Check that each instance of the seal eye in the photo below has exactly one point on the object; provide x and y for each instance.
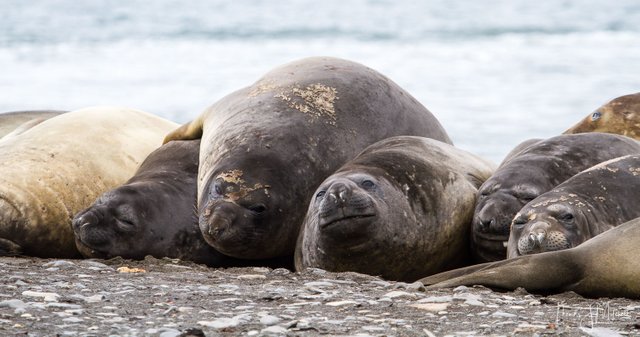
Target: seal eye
(526, 197)
(368, 183)
(568, 217)
(596, 115)
(519, 221)
(258, 208)
(321, 194)
(218, 189)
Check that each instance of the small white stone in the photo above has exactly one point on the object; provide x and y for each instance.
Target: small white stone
(49, 297)
(225, 322)
(269, 320)
(59, 264)
(319, 284)
(73, 320)
(340, 303)
(460, 288)
(274, 330)
(395, 294)
(16, 304)
(261, 270)
(503, 314)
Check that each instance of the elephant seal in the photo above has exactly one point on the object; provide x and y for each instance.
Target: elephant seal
(529, 173)
(53, 170)
(10, 121)
(589, 203)
(153, 213)
(401, 209)
(265, 148)
(621, 116)
(604, 266)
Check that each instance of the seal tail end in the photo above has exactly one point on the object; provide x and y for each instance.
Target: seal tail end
(9, 248)
(189, 131)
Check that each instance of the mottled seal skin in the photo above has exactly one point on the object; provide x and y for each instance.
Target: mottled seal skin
(530, 172)
(589, 203)
(621, 116)
(604, 266)
(401, 209)
(10, 121)
(265, 148)
(53, 170)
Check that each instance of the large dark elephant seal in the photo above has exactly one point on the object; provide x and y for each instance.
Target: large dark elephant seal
(265, 148)
(10, 121)
(605, 266)
(621, 116)
(401, 209)
(529, 173)
(589, 203)
(153, 213)
(53, 170)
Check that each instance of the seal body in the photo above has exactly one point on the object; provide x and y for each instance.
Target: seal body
(587, 204)
(621, 116)
(153, 213)
(401, 209)
(604, 266)
(265, 148)
(531, 172)
(53, 170)
(10, 121)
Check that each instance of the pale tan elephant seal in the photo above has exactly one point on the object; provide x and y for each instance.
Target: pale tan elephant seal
(53, 170)
(621, 116)
(22, 120)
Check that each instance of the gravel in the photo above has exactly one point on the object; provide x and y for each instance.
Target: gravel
(169, 298)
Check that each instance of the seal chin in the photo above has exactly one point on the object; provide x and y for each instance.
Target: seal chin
(88, 251)
(356, 220)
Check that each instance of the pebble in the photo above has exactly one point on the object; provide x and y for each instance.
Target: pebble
(395, 294)
(274, 330)
(59, 264)
(503, 314)
(600, 332)
(433, 307)
(49, 297)
(17, 305)
(269, 320)
(223, 323)
(341, 303)
(252, 277)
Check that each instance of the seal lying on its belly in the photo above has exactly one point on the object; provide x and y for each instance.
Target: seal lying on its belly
(153, 213)
(604, 266)
(589, 203)
(265, 148)
(401, 209)
(530, 172)
(53, 170)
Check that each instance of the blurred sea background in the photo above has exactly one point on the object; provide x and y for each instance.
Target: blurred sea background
(494, 72)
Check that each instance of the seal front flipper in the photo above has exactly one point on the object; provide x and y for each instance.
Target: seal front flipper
(189, 131)
(9, 248)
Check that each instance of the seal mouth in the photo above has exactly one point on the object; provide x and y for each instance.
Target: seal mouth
(89, 251)
(324, 224)
(491, 237)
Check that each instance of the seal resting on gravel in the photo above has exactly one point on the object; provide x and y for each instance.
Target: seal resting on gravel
(604, 266)
(530, 172)
(589, 203)
(10, 121)
(265, 148)
(621, 115)
(53, 170)
(153, 213)
(401, 209)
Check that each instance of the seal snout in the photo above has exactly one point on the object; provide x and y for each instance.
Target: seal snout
(541, 237)
(216, 220)
(344, 200)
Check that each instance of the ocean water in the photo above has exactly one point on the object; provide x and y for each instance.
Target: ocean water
(494, 72)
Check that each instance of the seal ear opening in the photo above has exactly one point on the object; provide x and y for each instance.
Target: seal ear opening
(9, 248)
(189, 131)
